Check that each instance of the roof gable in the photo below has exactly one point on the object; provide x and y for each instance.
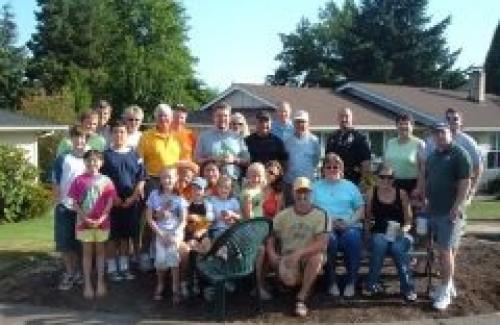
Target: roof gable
(13, 120)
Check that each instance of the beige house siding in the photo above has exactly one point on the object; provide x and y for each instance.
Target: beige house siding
(26, 140)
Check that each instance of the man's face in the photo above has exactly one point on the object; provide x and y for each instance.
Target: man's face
(284, 112)
(405, 127)
(443, 138)
(345, 119)
(263, 126)
(104, 115)
(221, 119)
(90, 123)
(133, 122)
(163, 121)
(302, 200)
(119, 136)
(454, 120)
(301, 126)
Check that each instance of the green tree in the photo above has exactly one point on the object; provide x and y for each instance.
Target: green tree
(492, 64)
(12, 59)
(389, 41)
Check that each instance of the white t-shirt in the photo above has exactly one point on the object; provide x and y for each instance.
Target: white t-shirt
(66, 168)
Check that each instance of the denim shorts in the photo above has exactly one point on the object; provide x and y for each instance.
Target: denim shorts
(64, 229)
(446, 233)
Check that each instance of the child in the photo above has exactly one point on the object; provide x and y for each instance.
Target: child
(253, 190)
(211, 173)
(187, 170)
(93, 195)
(226, 208)
(123, 166)
(166, 214)
(66, 168)
(273, 192)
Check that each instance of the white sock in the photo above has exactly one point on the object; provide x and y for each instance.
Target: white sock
(123, 263)
(111, 265)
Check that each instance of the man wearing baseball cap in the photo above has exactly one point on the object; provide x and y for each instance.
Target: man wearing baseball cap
(301, 231)
(303, 150)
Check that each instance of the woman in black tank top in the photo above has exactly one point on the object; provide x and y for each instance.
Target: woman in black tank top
(387, 204)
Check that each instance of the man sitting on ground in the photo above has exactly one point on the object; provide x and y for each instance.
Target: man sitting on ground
(301, 233)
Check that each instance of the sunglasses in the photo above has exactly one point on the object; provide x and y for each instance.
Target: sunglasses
(273, 173)
(386, 176)
(332, 167)
(236, 123)
(134, 119)
(453, 118)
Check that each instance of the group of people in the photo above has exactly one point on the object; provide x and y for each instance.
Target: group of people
(163, 196)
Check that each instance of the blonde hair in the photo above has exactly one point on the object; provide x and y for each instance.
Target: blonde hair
(133, 110)
(225, 180)
(258, 168)
(166, 169)
(237, 117)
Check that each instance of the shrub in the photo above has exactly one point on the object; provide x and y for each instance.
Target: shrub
(47, 149)
(21, 196)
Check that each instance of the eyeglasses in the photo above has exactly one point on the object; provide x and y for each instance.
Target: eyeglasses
(453, 118)
(237, 123)
(386, 177)
(332, 167)
(134, 119)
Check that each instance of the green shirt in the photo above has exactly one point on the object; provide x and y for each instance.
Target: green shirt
(403, 157)
(255, 195)
(94, 141)
(444, 169)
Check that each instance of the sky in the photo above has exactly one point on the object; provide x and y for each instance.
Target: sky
(237, 41)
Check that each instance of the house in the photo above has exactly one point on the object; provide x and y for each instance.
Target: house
(23, 132)
(374, 107)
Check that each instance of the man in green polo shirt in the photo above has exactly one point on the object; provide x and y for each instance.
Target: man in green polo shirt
(448, 178)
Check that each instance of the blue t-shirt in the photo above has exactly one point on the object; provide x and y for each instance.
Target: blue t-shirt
(125, 169)
(282, 130)
(303, 159)
(340, 199)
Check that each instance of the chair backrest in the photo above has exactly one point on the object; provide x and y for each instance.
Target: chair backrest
(238, 247)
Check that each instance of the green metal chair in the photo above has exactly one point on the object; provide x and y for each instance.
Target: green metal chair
(233, 256)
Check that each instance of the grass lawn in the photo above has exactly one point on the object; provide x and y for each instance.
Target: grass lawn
(484, 210)
(25, 242)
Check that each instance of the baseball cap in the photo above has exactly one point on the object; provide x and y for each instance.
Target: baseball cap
(263, 115)
(301, 115)
(200, 182)
(301, 183)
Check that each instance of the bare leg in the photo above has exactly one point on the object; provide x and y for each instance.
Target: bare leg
(100, 258)
(88, 288)
(160, 284)
(313, 267)
(259, 267)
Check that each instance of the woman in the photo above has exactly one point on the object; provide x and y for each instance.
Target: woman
(132, 116)
(273, 192)
(404, 154)
(211, 173)
(343, 203)
(387, 204)
(239, 125)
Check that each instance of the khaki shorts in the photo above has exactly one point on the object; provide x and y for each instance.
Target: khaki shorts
(92, 235)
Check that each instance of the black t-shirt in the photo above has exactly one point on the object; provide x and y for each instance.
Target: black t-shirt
(353, 148)
(266, 148)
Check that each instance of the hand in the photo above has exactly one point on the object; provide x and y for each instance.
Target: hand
(406, 228)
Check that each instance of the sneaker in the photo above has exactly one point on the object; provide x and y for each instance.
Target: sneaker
(334, 290)
(411, 296)
(78, 278)
(300, 309)
(66, 282)
(349, 290)
(372, 290)
(115, 276)
(443, 300)
(185, 290)
(127, 275)
(453, 291)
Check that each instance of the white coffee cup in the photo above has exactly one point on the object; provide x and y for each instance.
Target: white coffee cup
(393, 228)
(422, 226)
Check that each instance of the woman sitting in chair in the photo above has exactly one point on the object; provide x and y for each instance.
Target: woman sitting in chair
(389, 217)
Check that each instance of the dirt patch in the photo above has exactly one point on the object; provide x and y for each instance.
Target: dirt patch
(477, 282)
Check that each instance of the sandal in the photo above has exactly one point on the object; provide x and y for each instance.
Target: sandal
(300, 308)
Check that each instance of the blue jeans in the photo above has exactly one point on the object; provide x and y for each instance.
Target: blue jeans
(349, 242)
(399, 251)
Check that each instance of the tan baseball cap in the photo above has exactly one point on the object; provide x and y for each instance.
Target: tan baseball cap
(301, 183)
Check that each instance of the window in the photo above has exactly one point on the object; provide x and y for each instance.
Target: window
(493, 156)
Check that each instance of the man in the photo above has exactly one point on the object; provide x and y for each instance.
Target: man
(88, 120)
(282, 126)
(264, 146)
(104, 110)
(186, 136)
(301, 232)
(466, 142)
(351, 146)
(221, 145)
(304, 152)
(447, 180)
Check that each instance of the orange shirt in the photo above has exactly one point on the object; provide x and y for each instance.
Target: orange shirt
(187, 138)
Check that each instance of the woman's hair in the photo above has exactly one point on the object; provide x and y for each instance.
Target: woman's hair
(133, 110)
(225, 180)
(92, 153)
(332, 158)
(164, 170)
(241, 118)
(385, 167)
(258, 168)
(277, 184)
(205, 165)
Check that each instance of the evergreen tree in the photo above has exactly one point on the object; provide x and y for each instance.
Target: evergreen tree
(12, 60)
(492, 64)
